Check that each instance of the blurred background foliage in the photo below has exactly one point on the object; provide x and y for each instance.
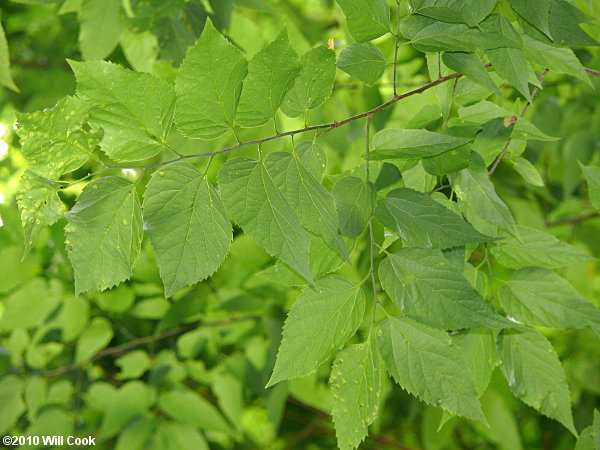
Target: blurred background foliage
(139, 371)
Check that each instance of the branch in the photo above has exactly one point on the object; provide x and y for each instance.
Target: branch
(147, 340)
(527, 106)
(573, 220)
(326, 126)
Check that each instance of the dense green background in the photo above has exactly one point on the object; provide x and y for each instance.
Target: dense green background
(219, 338)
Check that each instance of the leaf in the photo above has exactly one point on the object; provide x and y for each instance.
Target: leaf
(11, 389)
(132, 400)
(534, 373)
(478, 348)
(422, 222)
(481, 203)
(429, 35)
(536, 248)
(314, 83)
(528, 171)
(104, 234)
(448, 162)
(30, 305)
(271, 74)
(254, 203)
(320, 322)
(96, 336)
(366, 19)
(511, 64)
(135, 110)
(187, 225)
(471, 66)
(53, 140)
(311, 202)
(590, 436)
(557, 59)
(538, 296)
(100, 28)
(536, 12)
(189, 408)
(425, 363)
(354, 199)
(363, 61)
(140, 49)
(592, 176)
(313, 157)
(356, 385)
(392, 144)
(5, 76)
(470, 12)
(434, 292)
(209, 84)
(39, 205)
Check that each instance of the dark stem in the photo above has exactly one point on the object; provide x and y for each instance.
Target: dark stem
(119, 349)
(573, 220)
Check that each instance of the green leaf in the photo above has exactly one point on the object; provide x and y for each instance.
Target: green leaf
(363, 61)
(354, 199)
(132, 400)
(470, 12)
(313, 157)
(538, 296)
(492, 139)
(187, 407)
(592, 176)
(471, 66)
(528, 171)
(448, 162)
(366, 19)
(179, 436)
(429, 35)
(254, 203)
(135, 110)
(320, 322)
(422, 222)
(209, 84)
(96, 336)
(536, 248)
(5, 76)
(271, 74)
(187, 225)
(104, 233)
(100, 28)
(535, 375)
(29, 306)
(311, 202)
(428, 288)
(53, 140)
(314, 83)
(356, 385)
(590, 436)
(425, 363)
(136, 434)
(39, 205)
(478, 348)
(13, 406)
(536, 12)
(140, 49)
(393, 144)
(561, 60)
(481, 203)
(512, 65)
(133, 364)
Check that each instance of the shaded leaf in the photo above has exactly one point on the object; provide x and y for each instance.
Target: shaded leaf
(471, 66)
(99, 18)
(354, 199)
(363, 61)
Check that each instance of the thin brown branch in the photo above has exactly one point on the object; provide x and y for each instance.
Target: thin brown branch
(527, 106)
(594, 72)
(120, 349)
(574, 220)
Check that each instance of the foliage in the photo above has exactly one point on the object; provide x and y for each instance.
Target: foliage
(216, 239)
